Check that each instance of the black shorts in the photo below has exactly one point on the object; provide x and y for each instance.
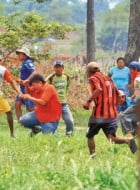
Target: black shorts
(108, 128)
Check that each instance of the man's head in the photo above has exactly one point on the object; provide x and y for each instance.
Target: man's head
(23, 53)
(58, 67)
(134, 69)
(135, 65)
(37, 81)
(122, 97)
(93, 67)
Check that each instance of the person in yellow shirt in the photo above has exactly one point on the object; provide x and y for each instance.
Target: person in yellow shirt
(5, 75)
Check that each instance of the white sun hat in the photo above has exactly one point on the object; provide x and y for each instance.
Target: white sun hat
(24, 50)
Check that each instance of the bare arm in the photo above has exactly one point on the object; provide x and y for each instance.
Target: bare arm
(24, 82)
(15, 87)
(94, 95)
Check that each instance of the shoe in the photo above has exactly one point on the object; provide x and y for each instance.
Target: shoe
(133, 146)
(31, 134)
(92, 156)
(69, 133)
(34, 131)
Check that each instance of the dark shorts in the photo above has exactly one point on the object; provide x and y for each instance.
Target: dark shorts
(27, 103)
(108, 128)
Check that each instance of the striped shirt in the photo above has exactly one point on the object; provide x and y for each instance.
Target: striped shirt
(106, 102)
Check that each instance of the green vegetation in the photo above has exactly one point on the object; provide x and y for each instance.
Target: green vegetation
(68, 12)
(27, 30)
(111, 25)
(50, 163)
(113, 28)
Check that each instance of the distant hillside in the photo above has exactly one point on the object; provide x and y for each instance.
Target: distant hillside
(113, 3)
(69, 12)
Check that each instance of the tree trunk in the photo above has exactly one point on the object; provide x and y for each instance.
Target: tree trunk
(90, 31)
(133, 47)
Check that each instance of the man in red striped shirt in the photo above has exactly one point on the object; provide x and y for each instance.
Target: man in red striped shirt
(104, 115)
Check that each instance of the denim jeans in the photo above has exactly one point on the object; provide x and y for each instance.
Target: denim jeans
(129, 120)
(29, 120)
(67, 117)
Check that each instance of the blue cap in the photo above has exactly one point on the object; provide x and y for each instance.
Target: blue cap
(58, 62)
(134, 65)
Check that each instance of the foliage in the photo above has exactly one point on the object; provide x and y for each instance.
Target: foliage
(69, 12)
(111, 27)
(18, 31)
(112, 35)
(39, 1)
(58, 30)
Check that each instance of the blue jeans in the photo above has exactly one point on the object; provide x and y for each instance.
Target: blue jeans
(129, 120)
(67, 117)
(29, 120)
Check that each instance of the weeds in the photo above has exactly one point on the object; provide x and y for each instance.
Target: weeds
(62, 163)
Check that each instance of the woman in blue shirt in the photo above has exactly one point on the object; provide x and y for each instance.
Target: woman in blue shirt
(120, 74)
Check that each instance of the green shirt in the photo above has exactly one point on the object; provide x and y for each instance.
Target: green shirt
(61, 84)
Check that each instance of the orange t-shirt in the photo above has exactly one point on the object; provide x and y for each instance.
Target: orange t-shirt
(134, 73)
(7, 76)
(51, 111)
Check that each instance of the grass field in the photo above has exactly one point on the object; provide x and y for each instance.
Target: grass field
(62, 163)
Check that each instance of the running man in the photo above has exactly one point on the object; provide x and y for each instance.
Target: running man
(104, 115)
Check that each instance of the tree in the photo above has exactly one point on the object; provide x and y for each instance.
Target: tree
(113, 29)
(90, 31)
(18, 31)
(39, 1)
(133, 46)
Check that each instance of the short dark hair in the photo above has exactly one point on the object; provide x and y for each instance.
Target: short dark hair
(93, 70)
(121, 58)
(58, 63)
(36, 78)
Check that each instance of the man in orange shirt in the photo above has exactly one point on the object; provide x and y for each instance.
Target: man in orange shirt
(48, 108)
(5, 75)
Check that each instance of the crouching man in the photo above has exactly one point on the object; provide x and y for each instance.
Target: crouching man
(47, 106)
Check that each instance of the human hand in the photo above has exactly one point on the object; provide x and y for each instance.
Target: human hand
(25, 82)
(24, 96)
(132, 97)
(129, 85)
(86, 106)
(18, 80)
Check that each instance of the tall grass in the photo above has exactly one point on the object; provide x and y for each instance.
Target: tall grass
(62, 163)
